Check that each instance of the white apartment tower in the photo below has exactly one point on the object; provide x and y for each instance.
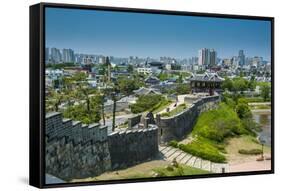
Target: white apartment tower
(204, 57)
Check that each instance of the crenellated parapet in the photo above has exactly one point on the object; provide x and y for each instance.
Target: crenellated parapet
(56, 128)
(133, 146)
(75, 150)
(178, 126)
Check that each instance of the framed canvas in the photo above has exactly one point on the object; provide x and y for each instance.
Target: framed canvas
(122, 95)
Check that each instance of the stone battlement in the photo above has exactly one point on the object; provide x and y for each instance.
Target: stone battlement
(75, 150)
(178, 126)
(133, 146)
(57, 128)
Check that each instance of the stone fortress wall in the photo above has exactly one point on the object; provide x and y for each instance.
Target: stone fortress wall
(131, 147)
(74, 150)
(178, 126)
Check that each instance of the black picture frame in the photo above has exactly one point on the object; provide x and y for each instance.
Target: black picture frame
(37, 93)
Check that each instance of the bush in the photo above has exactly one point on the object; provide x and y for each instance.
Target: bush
(243, 110)
(250, 152)
(173, 143)
(160, 106)
(251, 126)
(170, 168)
(203, 150)
(146, 102)
(218, 124)
(166, 114)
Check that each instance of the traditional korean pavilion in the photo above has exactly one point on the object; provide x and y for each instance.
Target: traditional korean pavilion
(207, 82)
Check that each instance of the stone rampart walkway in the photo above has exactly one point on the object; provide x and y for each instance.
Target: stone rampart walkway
(169, 154)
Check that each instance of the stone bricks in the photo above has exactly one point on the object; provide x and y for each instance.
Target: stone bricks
(133, 146)
(176, 127)
(75, 150)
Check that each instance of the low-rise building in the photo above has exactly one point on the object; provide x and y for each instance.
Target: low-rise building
(145, 71)
(146, 91)
(152, 80)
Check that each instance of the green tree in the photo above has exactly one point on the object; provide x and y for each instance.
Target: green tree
(163, 76)
(54, 100)
(227, 84)
(108, 69)
(113, 110)
(145, 103)
(243, 111)
(182, 89)
(130, 68)
(81, 113)
(252, 83)
(88, 105)
(265, 91)
(180, 79)
(127, 85)
(239, 84)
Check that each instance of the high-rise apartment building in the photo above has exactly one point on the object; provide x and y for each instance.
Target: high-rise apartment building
(55, 55)
(101, 60)
(203, 57)
(68, 55)
(241, 58)
(46, 54)
(213, 58)
(207, 57)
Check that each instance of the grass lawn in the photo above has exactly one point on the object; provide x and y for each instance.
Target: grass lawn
(181, 170)
(243, 142)
(175, 111)
(146, 170)
(162, 105)
(254, 99)
(253, 107)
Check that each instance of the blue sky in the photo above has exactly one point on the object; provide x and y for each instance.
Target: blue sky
(136, 34)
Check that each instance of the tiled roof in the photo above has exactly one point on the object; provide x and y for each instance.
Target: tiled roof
(214, 77)
(145, 91)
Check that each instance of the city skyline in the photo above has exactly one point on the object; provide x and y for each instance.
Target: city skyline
(213, 57)
(150, 35)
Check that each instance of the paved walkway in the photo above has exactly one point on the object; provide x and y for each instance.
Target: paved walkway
(170, 153)
(172, 105)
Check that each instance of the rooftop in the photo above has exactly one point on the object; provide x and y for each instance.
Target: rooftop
(214, 77)
(146, 91)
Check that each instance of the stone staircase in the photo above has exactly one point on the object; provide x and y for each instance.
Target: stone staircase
(169, 154)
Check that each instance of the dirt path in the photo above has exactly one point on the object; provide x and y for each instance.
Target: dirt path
(239, 162)
(250, 166)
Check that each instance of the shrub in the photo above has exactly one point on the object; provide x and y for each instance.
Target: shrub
(250, 152)
(243, 110)
(173, 143)
(166, 114)
(160, 106)
(203, 150)
(170, 168)
(218, 124)
(146, 102)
